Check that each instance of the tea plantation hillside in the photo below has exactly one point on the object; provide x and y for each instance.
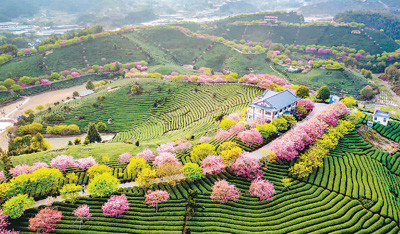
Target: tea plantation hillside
(164, 108)
(352, 193)
(342, 81)
(310, 35)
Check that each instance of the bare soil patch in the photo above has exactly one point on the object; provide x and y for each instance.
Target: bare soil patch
(379, 142)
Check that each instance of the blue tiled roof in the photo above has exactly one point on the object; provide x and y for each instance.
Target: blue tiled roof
(383, 114)
(279, 100)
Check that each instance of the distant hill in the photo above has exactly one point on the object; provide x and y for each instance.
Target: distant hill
(333, 7)
(390, 23)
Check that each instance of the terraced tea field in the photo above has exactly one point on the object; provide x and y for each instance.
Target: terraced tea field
(186, 109)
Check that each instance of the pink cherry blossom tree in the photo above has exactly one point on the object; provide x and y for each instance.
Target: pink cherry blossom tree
(247, 166)
(45, 221)
(251, 137)
(4, 223)
(204, 139)
(222, 192)
(153, 198)
(82, 212)
(115, 206)
(306, 103)
(166, 148)
(2, 177)
(263, 189)
(124, 158)
(147, 154)
(165, 158)
(213, 165)
(62, 162)
(85, 163)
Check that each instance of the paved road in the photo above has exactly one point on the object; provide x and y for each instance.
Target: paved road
(318, 108)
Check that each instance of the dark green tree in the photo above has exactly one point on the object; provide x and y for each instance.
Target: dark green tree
(323, 93)
(90, 85)
(303, 92)
(93, 134)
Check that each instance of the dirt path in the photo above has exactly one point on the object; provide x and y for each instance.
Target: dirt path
(40, 99)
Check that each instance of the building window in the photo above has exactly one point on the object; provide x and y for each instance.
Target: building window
(375, 119)
(384, 120)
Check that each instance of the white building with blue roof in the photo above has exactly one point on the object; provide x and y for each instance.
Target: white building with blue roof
(381, 117)
(272, 104)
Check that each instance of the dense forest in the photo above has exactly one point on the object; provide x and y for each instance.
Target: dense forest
(388, 22)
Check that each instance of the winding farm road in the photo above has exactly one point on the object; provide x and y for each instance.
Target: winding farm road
(317, 109)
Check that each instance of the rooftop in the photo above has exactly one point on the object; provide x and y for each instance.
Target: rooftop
(384, 114)
(277, 100)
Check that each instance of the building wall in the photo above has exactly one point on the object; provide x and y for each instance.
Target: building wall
(381, 120)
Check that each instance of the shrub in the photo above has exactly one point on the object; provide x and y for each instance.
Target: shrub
(101, 127)
(222, 192)
(267, 130)
(103, 185)
(14, 207)
(70, 192)
(45, 178)
(136, 165)
(349, 101)
(323, 93)
(98, 169)
(192, 171)
(231, 154)
(227, 123)
(115, 206)
(303, 91)
(145, 178)
(280, 123)
(201, 151)
(45, 221)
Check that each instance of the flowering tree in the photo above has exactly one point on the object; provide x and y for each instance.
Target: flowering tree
(98, 169)
(124, 158)
(145, 178)
(192, 171)
(213, 165)
(45, 221)
(82, 212)
(103, 185)
(247, 166)
(204, 139)
(306, 103)
(234, 116)
(136, 165)
(222, 192)
(4, 223)
(165, 158)
(115, 206)
(2, 177)
(166, 148)
(153, 198)
(262, 189)
(147, 154)
(85, 163)
(25, 169)
(251, 137)
(62, 162)
(201, 151)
